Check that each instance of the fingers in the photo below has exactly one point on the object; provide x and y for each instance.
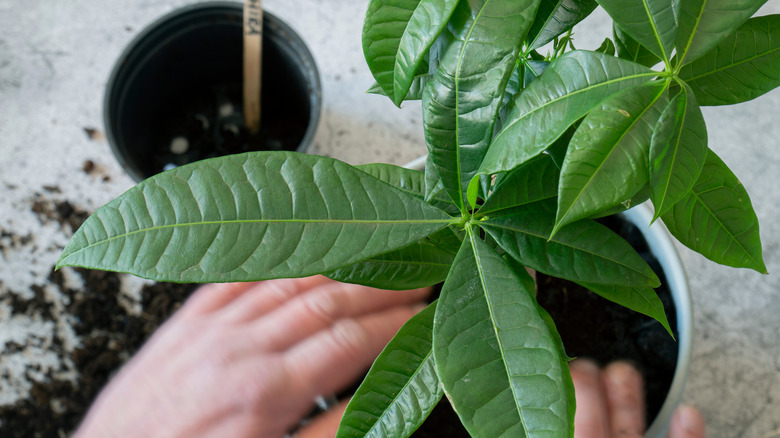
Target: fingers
(590, 420)
(332, 359)
(211, 297)
(324, 425)
(687, 422)
(320, 308)
(265, 296)
(625, 400)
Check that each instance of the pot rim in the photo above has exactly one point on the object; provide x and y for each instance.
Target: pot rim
(283, 31)
(662, 246)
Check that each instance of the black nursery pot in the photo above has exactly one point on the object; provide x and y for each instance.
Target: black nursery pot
(175, 94)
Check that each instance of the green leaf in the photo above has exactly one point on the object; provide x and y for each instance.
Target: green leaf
(639, 299)
(434, 188)
(461, 101)
(411, 181)
(607, 47)
(606, 162)
(744, 66)
(533, 181)
(400, 389)
(716, 219)
(627, 48)
(418, 265)
(397, 35)
(556, 17)
(703, 24)
(251, 217)
(496, 356)
(415, 91)
(677, 151)
(427, 22)
(582, 251)
(572, 85)
(653, 23)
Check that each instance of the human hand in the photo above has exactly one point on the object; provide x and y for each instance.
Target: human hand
(610, 403)
(248, 360)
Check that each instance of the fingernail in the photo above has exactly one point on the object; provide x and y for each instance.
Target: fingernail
(620, 373)
(690, 419)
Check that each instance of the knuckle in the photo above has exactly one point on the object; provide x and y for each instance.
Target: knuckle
(324, 306)
(351, 336)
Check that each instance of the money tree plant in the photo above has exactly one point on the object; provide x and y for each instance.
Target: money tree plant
(525, 151)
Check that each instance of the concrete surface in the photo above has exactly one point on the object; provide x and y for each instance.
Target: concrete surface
(55, 58)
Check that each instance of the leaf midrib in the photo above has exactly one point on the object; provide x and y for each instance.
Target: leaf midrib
(612, 150)
(260, 221)
(723, 226)
(491, 224)
(565, 96)
(495, 328)
(726, 67)
(676, 138)
(378, 423)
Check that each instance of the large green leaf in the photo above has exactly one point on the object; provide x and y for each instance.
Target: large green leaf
(400, 389)
(496, 356)
(703, 24)
(628, 48)
(583, 251)
(652, 23)
(677, 151)
(460, 103)
(570, 87)
(396, 37)
(606, 162)
(420, 264)
(744, 66)
(533, 181)
(556, 17)
(250, 217)
(716, 219)
(639, 299)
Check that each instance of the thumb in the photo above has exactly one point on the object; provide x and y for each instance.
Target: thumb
(324, 425)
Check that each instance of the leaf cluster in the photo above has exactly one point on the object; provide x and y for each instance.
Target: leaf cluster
(524, 152)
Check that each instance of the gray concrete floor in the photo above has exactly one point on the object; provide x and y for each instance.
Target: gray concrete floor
(55, 58)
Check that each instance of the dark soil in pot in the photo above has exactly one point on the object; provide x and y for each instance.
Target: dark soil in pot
(593, 327)
(175, 95)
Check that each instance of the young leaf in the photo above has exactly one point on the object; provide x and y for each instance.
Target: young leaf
(677, 151)
(251, 217)
(461, 101)
(606, 162)
(533, 181)
(652, 23)
(400, 389)
(420, 264)
(571, 86)
(396, 38)
(556, 17)
(716, 219)
(582, 251)
(744, 66)
(639, 299)
(627, 48)
(497, 358)
(703, 24)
